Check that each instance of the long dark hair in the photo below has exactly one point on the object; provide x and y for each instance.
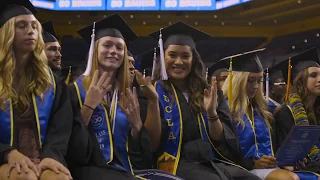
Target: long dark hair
(299, 86)
(196, 83)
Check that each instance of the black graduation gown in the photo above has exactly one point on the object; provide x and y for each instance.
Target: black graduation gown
(84, 157)
(283, 122)
(59, 127)
(201, 168)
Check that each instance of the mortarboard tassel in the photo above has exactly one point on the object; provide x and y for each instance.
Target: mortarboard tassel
(154, 63)
(289, 79)
(267, 85)
(230, 100)
(164, 75)
(144, 73)
(90, 57)
(207, 73)
(69, 76)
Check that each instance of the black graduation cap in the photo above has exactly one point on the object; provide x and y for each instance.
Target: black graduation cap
(129, 54)
(48, 32)
(275, 72)
(180, 33)
(299, 62)
(113, 25)
(13, 8)
(147, 59)
(246, 62)
(75, 70)
(218, 67)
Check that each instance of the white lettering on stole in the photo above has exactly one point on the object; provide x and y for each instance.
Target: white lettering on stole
(100, 134)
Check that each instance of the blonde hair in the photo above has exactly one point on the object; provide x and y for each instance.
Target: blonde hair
(240, 100)
(36, 77)
(122, 74)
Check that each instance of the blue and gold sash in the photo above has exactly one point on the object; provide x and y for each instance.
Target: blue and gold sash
(254, 136)
(101, 125)
(171, 111)
(42, 111)
(300, 118)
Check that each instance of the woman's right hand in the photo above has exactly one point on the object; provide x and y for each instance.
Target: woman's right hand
(265, 162)
(98, 88)
(20, 162)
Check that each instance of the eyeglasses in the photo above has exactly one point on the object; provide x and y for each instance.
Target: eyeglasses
(279, 83)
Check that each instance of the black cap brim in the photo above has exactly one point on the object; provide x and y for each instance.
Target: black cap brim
(147, 59)
(218, 67)
(114, 26)
(299, 62)
(247, 62)
(13, 8)
(180, 33)
(49, 33)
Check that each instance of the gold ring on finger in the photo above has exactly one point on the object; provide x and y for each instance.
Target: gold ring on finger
(142, 86)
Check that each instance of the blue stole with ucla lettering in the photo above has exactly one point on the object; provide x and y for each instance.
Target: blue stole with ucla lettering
(171, 111)
(42, 111)
(254, 137)
(101, 125)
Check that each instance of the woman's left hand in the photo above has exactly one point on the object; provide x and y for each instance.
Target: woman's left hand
(132, 110)
(53, 165)
(210, 99)
(146, 87)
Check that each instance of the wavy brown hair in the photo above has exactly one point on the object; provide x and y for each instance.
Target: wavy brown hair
(299, 86)
(196, 83)
(122, 74)
(35, 78)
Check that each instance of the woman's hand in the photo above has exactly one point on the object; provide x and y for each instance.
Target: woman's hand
(20, 162)
(132, 110)
(146, 87)
(210, 99)
(265, 162)
(98, 88)
(53, 165)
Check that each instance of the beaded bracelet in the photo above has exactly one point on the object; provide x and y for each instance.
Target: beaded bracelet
(212, 119)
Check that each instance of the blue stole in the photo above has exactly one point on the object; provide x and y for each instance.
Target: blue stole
(42, 112)
(101, 126)
(272, 104)
(171, 112)
(255, 138)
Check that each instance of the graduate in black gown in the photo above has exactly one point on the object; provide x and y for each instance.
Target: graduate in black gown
(52, 47)
(70, 73)
(301, 106)
(220, 71)
(243, 90)
(35, 109)
(196, 122)
(277, 87)
(109, 132)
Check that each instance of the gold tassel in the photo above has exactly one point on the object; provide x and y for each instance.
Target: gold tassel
(289, 79)
(230, 100)
(68, 77)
